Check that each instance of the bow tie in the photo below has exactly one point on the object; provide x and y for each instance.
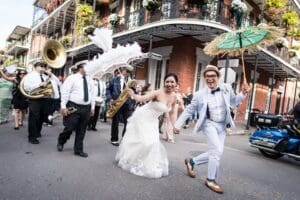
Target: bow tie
(216, 90)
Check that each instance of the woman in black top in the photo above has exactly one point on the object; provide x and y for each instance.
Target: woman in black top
(19, 101)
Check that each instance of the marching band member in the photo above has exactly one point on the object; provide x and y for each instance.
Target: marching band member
(116, 86)
(38, 108)
(54, 102)
(99, 88)
(76, 93)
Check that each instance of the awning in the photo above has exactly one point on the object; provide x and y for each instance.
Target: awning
(18, 33)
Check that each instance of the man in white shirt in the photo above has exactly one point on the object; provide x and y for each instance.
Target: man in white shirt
(54, 101)
(38, 108)
(76, 94)
(213, 105)
(99, 88)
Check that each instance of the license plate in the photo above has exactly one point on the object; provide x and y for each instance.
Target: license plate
(263, 143)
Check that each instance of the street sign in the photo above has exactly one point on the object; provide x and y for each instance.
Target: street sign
(232, 63)
(231, 74)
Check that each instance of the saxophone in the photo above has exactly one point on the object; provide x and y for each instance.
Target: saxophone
(114, 108)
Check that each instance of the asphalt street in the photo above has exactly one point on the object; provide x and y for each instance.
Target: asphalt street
(41, 172)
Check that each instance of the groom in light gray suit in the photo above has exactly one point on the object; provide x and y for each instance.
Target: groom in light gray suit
(213, 105)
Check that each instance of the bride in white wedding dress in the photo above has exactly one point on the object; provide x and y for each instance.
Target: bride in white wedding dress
(141, 152)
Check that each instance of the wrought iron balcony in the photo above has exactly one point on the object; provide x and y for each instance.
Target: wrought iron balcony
(213, 10)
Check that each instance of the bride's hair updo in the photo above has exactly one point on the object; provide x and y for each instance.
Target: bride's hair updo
(171, 74)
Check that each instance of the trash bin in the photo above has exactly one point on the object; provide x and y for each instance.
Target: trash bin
(253, 114)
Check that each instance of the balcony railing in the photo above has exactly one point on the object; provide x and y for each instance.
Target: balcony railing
(18, 43)
(214, 10)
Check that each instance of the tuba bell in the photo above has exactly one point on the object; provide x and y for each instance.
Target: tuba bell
(54, 55)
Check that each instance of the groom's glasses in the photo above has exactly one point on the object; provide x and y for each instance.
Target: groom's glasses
(211, 76)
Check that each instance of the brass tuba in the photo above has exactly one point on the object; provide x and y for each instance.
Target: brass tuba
(55, 56)
(121, 99)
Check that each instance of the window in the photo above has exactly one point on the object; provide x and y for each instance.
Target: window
(166, 10)
(134, 14)
(158, 74)
(198, 77)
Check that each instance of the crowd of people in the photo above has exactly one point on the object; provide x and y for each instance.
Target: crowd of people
(145, 114)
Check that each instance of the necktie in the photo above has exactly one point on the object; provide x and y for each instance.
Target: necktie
(85, 90)
(207, 113)
(41, 75)
(216, 90)
(98, 83)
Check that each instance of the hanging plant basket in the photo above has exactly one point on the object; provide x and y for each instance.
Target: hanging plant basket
(113, 19)
(151, 5)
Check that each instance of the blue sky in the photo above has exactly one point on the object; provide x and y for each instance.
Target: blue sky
(13, 13)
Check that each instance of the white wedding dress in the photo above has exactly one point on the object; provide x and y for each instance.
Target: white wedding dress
(141, 152)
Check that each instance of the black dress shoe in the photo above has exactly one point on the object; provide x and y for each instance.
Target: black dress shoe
(33, 141)
(115, 143)
(94, 129)
(60, 147)
(16, 128)
(81, 154)
(89, 128)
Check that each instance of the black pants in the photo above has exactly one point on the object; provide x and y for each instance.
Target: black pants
(77, 122)
(54, 106)
(93, 119)
(123, 115)
(38, 113)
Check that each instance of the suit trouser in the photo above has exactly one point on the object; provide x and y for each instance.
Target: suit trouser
(215, 134)
(124, 112)
(38, 113)
(93, 119)
(77, 122)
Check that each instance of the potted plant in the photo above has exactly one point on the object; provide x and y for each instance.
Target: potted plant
(84, 14)
(113, 19)
(66, 41)
(290, 19)
(88, 30)
(151, 5)
(274, 7)
(239, 8)
(183, 7)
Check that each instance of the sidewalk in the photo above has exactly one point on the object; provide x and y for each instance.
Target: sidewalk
(240, 128)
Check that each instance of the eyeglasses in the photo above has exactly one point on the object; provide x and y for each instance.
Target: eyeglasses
(211, 76)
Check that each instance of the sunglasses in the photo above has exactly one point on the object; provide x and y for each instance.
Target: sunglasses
(211, 76)
(22, 73)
